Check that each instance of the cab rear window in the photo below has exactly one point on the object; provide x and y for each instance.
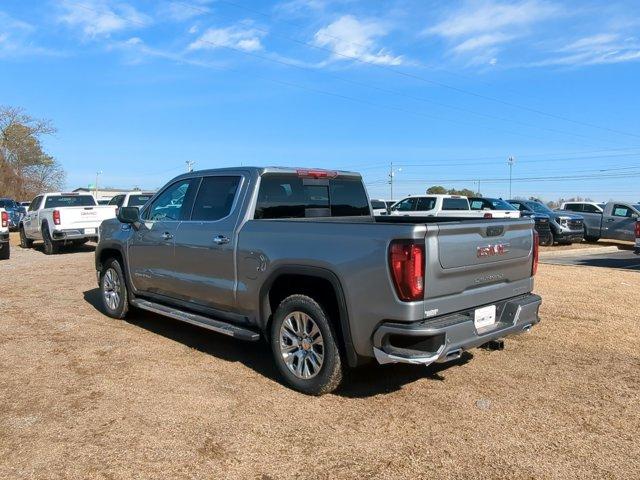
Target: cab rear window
(290, 196)
(455, 204)
(60, 201)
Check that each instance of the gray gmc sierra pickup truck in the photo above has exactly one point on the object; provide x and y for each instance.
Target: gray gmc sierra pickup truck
(296, 257)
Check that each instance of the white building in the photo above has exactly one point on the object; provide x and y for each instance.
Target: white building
(102, 194)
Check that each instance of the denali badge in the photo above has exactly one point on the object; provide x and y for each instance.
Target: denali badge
(493, 250)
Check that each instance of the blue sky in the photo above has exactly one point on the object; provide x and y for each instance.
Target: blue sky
(445, 90)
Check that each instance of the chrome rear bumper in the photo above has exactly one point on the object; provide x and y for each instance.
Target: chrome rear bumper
(444, 339)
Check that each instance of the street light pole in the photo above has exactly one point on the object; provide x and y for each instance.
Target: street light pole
(190, 164)
(511, 161)
(95, 193)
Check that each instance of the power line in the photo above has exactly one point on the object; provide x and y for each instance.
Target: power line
(414, 76)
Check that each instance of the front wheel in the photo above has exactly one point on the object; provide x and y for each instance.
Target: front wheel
(5, 251)
(113, 289)
(304, 346)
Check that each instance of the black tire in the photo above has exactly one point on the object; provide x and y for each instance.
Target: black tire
(329, 376)
(110, 269)
(590, 238)
(24, 241)
(5, 251)
(51, 247)
(552, 240)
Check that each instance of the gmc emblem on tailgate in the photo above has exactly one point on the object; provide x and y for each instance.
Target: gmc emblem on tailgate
(492, 250)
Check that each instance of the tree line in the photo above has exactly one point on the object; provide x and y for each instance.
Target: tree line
(26, 169)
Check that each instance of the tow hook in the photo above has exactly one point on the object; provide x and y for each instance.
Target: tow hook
(493, 345)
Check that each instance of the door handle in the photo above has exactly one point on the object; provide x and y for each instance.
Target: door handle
(610, 220)
(167, 236)
(220, 240)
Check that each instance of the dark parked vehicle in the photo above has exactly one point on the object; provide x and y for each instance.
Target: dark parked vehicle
(611, 220)
(294, 256)
(15, 211)
(565, 227)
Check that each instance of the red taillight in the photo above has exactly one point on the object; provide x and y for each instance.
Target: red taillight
(56, 217)
(5, 219)
(406, 260)
(316, 173)
(488, 215)
(536, 252)
(638, 229)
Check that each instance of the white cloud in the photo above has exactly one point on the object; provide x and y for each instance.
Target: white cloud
(482, 41)
(350, 38)
(490, 16)
(183, 11)
(16, 38)
(101, 18)
(603, 48)
(243, 38)
(480, 29)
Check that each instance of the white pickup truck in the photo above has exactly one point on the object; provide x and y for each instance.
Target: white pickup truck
(438, 206)
(5, 248)
(60, 219)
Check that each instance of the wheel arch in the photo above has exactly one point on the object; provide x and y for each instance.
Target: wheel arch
(301, 279)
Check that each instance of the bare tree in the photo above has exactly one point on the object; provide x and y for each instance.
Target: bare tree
(25, 169)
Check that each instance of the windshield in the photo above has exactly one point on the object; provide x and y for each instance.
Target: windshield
(538, 207)
(139, 200)
(70, 201)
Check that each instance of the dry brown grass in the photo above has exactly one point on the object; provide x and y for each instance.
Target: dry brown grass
(84, 396)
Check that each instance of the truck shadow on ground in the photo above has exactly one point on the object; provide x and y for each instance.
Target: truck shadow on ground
(362, 382)
(89, 247)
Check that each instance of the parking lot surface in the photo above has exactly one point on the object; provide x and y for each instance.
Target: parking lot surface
(624, 259)
(85, 396)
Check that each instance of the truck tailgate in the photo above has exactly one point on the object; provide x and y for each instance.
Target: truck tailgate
(476, 263)
(85, 217)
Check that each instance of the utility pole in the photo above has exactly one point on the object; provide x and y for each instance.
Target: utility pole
(478, 191)
(190, 165)
(392, 174)
(511, 161)
(95, 190)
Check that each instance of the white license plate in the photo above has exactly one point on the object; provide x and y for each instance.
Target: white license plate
(485, 316)
(89, 231)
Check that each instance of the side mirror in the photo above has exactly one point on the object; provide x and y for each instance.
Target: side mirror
(635, 216)
(130, 215)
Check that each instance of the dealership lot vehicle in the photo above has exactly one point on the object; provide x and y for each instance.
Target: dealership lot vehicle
(565, 227)
(15, 210)
(496, 207)
(612, 220)
(131, 199)
(436, 206)
(5, 246)
(60, 219)
(154, 395)
(293, 255)
(381, 207)
(637, 234)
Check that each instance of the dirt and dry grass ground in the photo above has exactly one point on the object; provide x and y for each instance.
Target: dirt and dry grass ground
(84, 396)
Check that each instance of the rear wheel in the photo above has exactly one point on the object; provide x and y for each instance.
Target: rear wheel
(24, 241)
(51, 247)
(113, 289)
(304, 346)
(5, 251)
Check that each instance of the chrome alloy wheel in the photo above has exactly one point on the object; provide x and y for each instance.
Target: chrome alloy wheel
(301, 345)
(111, 289)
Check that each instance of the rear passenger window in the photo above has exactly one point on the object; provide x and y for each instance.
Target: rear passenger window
(591, 209)
(425, 204)
(622, 211)
(215, 198)
(289, 196)
(455, 204)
